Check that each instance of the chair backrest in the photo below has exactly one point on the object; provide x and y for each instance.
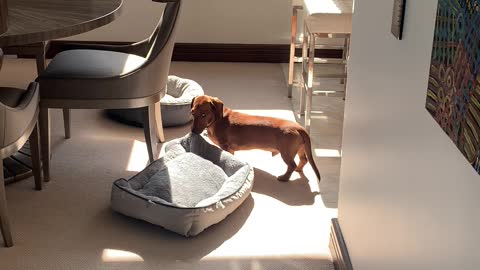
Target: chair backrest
(164, 33)
(154, 71)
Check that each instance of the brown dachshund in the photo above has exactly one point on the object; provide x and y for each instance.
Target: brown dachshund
(234, 131)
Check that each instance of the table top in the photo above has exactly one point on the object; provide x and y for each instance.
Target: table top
(31, 21)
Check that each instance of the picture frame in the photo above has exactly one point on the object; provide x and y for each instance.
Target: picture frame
(398, 17)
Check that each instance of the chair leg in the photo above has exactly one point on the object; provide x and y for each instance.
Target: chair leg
(292, 51)
(66, 122)
(4, 221)
(150, 133)
(304, 62)
(35, 151)
(308, 103)
(44, 121)
(158, 123)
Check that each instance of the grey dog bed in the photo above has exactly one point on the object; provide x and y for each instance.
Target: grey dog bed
(175, 105)
(194, 186)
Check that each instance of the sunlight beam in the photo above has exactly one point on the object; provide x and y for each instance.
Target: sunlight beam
(283, 114)
(115, 255)
(138, 157)
(131, 63)
(327, 152)
(323, 6)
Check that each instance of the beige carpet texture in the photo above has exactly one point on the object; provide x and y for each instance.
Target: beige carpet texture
(70, 225)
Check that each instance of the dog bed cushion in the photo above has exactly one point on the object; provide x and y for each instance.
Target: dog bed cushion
(175, 105)
(193, 186)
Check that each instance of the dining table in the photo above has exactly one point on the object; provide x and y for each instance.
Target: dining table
(38, 21)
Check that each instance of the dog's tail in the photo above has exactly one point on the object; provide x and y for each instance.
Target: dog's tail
(308, 150)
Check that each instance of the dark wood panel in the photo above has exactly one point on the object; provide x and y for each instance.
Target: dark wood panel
(218, 52)
(338, 248)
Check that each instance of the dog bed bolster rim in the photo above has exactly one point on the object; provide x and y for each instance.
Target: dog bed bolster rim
(248, 182)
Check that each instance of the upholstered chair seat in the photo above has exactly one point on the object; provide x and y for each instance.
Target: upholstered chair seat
(93, 66)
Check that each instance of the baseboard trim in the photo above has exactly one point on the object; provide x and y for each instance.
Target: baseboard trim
(338, 248)
(218, 52)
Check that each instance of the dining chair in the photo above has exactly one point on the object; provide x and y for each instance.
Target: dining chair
(324, 20)
(97, 76)
(18, 123)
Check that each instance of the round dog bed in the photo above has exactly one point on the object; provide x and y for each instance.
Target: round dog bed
(194, 186)
(175, 105)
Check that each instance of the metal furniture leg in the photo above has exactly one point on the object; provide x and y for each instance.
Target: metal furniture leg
(292, 50)
(308, 103)
(346, 54)
(304, 61)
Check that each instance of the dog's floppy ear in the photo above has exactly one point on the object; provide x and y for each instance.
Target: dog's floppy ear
(193, 100)
(217, 105)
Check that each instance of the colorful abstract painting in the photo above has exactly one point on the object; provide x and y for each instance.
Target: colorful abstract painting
(453, 96)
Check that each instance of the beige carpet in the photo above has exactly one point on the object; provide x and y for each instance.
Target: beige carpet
(69, 224)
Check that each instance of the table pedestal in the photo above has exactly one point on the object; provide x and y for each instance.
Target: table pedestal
(18, 166)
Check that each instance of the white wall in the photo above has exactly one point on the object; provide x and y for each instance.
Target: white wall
(408, 198)
(204, 21)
